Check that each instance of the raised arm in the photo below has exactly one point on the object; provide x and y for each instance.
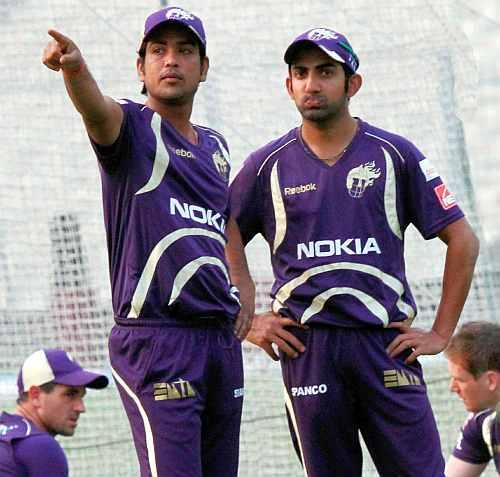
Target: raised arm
(101, 115)
(461, 255)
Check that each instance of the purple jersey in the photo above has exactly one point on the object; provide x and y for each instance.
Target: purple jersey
(26, 451)
(480, 439)
(165, 209)
(336, 233)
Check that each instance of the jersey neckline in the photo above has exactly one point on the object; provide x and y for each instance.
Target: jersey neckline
(348, 151)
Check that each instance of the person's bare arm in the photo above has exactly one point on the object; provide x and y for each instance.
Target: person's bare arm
(241, 278)
(461, 255)
(101, 115)
(458, 468)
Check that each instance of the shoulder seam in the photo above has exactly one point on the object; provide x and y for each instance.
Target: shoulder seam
(273, 153)
(387, 142)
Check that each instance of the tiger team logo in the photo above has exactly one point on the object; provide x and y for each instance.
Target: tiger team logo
(178, 14)
(322, 34)
(360, 178)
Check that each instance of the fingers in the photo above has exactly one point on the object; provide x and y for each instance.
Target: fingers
(399, 344)
(268, 348)
(286, 347)
(51, 57)
(61, 52)
(269, 328)
(400, 326)
(413, 356)
(242, 326)
(63, 40)
(291, 340)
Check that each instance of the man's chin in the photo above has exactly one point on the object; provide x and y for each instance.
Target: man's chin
(315, 115)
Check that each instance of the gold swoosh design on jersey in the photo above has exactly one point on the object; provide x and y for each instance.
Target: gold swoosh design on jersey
(149, 269)
(188, 270)
(393, 283)
(391, 211)
(161, 161)
(319, 302)
(279, 209)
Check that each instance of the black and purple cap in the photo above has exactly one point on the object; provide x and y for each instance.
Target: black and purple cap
(57, 366)
(176, 15)
(334, 44)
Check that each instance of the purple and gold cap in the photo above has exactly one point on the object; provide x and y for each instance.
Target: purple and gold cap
(176, 15)
(334, 44)
(55, 365)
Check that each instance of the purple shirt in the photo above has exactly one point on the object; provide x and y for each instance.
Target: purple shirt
(479, 439)
(336, 233)
(165, 210)
(26, 451)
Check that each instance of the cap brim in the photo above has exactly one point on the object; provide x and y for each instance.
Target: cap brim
(84, 378)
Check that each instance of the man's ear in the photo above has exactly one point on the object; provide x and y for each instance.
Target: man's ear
(289, 87)
(354, 85)
(34, 393)
(493, 380)
(205, 63)
(140, 68)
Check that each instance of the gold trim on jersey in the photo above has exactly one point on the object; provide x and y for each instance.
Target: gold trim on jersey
(320, 300)
(488, 422)
(161, 161)
(149, 269)
(188, 270)
(279, 209)
(286, 290)
(391, 211)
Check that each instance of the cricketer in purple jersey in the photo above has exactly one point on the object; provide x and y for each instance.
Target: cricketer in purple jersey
(474, 366)
(26, 451)
(336, 232)
(165, 210)
(51, 387)
(333, 199)
(479, 440)
(175, 349)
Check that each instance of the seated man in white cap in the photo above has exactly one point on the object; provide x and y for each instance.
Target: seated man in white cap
(51, 389)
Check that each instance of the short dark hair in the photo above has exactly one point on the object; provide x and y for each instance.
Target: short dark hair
(47, 388)
(142, 49)
(476, 347)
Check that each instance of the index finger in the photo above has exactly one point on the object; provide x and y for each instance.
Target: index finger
(289, 322)
(290, 339)
(59, 37)
(400, 325)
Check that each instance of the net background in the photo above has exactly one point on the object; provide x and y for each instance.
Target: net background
(420, 80)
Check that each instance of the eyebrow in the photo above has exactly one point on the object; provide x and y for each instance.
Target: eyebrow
(322, 65)
(180, 43)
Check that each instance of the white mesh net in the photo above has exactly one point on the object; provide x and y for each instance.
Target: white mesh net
(419, 80)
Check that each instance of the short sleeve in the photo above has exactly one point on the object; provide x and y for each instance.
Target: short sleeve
(430, 203)
(471, 446)
(246, 202)
(110, 157)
